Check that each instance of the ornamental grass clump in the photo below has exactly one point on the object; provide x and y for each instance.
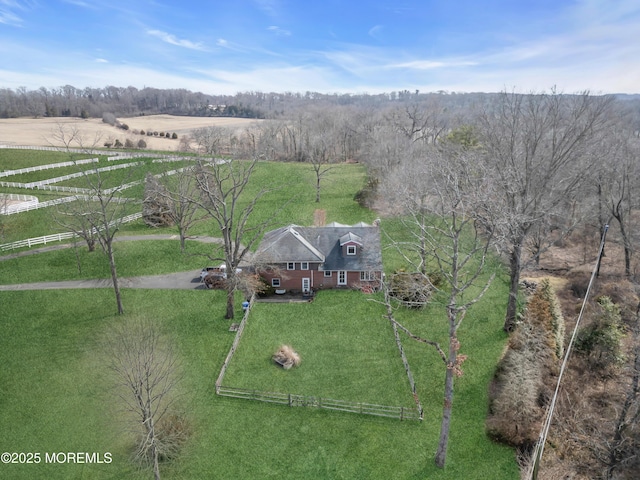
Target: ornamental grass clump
(286, 357)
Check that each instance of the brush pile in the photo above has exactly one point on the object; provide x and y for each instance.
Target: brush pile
(286, 357)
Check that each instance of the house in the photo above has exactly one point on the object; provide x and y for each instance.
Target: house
(303, 259)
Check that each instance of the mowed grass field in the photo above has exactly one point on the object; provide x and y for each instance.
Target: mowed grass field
(291, 197)
(56, 394)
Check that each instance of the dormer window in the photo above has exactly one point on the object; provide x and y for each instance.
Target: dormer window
(351, 250)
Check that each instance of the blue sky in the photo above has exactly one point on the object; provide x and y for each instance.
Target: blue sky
(223, 47)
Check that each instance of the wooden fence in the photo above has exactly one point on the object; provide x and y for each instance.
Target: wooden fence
(48, 181)
(296, 400)
(27, 207)
(57, 237)
(234, 345)
(407, 369)
(37, 168)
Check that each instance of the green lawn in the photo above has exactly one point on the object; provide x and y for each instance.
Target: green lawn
(14, 159)
(291, 199)
(347, 351)
(56, 397)
(149, 257)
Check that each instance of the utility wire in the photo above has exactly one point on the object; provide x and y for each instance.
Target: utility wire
(542, 440)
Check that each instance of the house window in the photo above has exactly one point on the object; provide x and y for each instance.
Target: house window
(291, 266)
(327, 273)
(351, 249)
(304, 265)
(342, 277)
(367, 276)
(275, 282)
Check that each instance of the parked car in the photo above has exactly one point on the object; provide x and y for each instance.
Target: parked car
(212, 275)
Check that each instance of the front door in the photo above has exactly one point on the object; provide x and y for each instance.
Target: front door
(342, 277)
(306, 285)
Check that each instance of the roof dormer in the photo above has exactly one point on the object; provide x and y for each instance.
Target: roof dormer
(350, 244)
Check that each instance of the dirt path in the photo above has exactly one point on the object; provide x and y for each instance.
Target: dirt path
(178, 281)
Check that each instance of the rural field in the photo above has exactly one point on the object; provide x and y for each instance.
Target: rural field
(58, 396)
(41, 131)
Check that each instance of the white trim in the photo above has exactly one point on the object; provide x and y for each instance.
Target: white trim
(367, 276)
(291, 265)
(328, 273)
(275, 282)
(342, 277)
(304, 265)
(352, 250)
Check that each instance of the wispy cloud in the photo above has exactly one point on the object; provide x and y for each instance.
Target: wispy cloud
(81, 3)
(433, 64)
(173, 40)
(270, 7)
(279, 31)
(9, 9)
(375, 31)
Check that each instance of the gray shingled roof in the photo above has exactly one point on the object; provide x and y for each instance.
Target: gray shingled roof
(322, 244)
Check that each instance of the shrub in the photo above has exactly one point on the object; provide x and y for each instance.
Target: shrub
(162, 134)
(142, 144)
(109, 118)
(600, 341)
(108, 144)
(157, 209)
(118, 144)
(128, 143)
(579, 284)
(521, 387)
(367, 195)
(172, 431)
(142, 132)
(174, 135)
(410, 289)
(621, 292)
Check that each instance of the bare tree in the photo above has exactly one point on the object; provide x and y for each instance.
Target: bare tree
(210, 139)
(176, 193)
(625, 444)
(146, 374)
(320, 155)
(97, 214)
(445, 198)
(536, 145)
(224, 195)
(617, 181)
(421, 122)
